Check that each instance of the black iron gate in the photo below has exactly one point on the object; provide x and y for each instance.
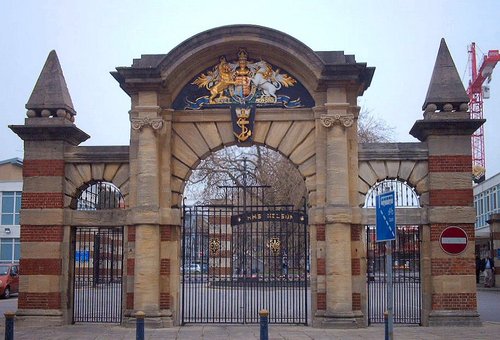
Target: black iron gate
(240, 257)
(97, 270)
(406, 276)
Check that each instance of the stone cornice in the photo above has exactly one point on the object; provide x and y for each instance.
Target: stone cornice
(424, 128)
(67, 133)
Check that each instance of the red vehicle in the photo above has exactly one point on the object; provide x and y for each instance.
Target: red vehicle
(9, 279)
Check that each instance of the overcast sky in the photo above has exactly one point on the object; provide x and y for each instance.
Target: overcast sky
(92, 37)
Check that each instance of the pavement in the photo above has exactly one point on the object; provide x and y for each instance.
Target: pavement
(489, 330)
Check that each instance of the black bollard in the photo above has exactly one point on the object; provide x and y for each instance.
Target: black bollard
(264, 331)
(139, 325)
(9, 325)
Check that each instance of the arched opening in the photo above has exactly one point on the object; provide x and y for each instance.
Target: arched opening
(245, 241)
(98, 195)
(97, 257)
(405, 259)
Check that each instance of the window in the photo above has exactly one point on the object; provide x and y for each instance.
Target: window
(9, 249)
(11, 204)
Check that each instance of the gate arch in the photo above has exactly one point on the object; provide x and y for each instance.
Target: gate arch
(169, 139)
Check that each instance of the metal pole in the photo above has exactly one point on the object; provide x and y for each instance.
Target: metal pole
(9, 325)
(139, 326)
(264, 330)
(390, 298)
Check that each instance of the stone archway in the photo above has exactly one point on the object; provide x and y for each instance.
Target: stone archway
(168, 141)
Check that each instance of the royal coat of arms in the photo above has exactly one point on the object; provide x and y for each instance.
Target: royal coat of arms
(242, 82)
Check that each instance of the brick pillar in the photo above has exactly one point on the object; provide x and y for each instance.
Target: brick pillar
(44, 295)
(494, 222)
(449, 294)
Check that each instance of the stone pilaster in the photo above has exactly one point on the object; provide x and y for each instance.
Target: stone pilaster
(146, 126)
(334, 261)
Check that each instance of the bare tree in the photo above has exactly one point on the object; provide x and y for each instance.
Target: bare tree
(372, 129)
(268, 167)
(264, 167)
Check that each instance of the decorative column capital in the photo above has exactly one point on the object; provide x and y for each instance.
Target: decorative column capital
(345, 119)
(154, 123)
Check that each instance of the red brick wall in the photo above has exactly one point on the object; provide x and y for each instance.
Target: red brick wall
(455, 301)
(356, 301)
(39, 300)
(130, 301)
(164, 301)
(131, 234)
(41, 200)
(40, 266)
(165, 267)
(320, 266)
(321, 301)
(453, 197)
(165, 233)
(453, 266)
(437, 229)
(41, 233)
(356, 233)
(450, 164)
(320, 232)
(130, 266)
(356, 266)
(43, 167)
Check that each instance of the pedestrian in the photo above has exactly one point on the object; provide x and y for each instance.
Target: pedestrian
(489, 272)
(479, 267)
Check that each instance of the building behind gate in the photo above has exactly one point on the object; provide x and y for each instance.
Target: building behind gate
(240, 85)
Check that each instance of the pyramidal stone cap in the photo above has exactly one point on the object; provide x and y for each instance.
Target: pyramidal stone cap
(50, 96)
(446, 90)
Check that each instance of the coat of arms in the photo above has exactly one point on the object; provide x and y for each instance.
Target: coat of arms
(242, 82)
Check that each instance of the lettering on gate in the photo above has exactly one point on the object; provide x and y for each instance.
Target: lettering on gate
(268, 216)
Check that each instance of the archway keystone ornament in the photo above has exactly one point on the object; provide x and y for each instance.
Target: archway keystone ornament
(453, 240)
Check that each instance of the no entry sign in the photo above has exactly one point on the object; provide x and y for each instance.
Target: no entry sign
(453, 240)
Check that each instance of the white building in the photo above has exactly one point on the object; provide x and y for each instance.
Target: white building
(486, 202)
(11, 186)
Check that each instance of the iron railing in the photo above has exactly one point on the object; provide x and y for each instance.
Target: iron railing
(97, 274)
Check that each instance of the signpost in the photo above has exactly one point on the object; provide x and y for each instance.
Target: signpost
(386, 232)
(453, 240)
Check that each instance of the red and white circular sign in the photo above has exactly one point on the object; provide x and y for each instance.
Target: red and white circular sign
(453, 240)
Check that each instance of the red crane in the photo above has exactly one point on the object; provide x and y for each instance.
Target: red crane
(476, 96)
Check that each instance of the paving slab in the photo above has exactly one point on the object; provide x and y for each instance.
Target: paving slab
(489, 330)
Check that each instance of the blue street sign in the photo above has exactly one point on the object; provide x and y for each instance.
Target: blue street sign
(386, 216)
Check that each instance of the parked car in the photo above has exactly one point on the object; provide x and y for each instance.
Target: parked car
(191, 268)
(9, 279)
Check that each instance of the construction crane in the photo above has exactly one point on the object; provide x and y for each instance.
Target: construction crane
(477, 92)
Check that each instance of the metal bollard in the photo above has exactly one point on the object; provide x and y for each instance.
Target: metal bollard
(264, 331)
(9, 325)
(139, 325)
(386, 324)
